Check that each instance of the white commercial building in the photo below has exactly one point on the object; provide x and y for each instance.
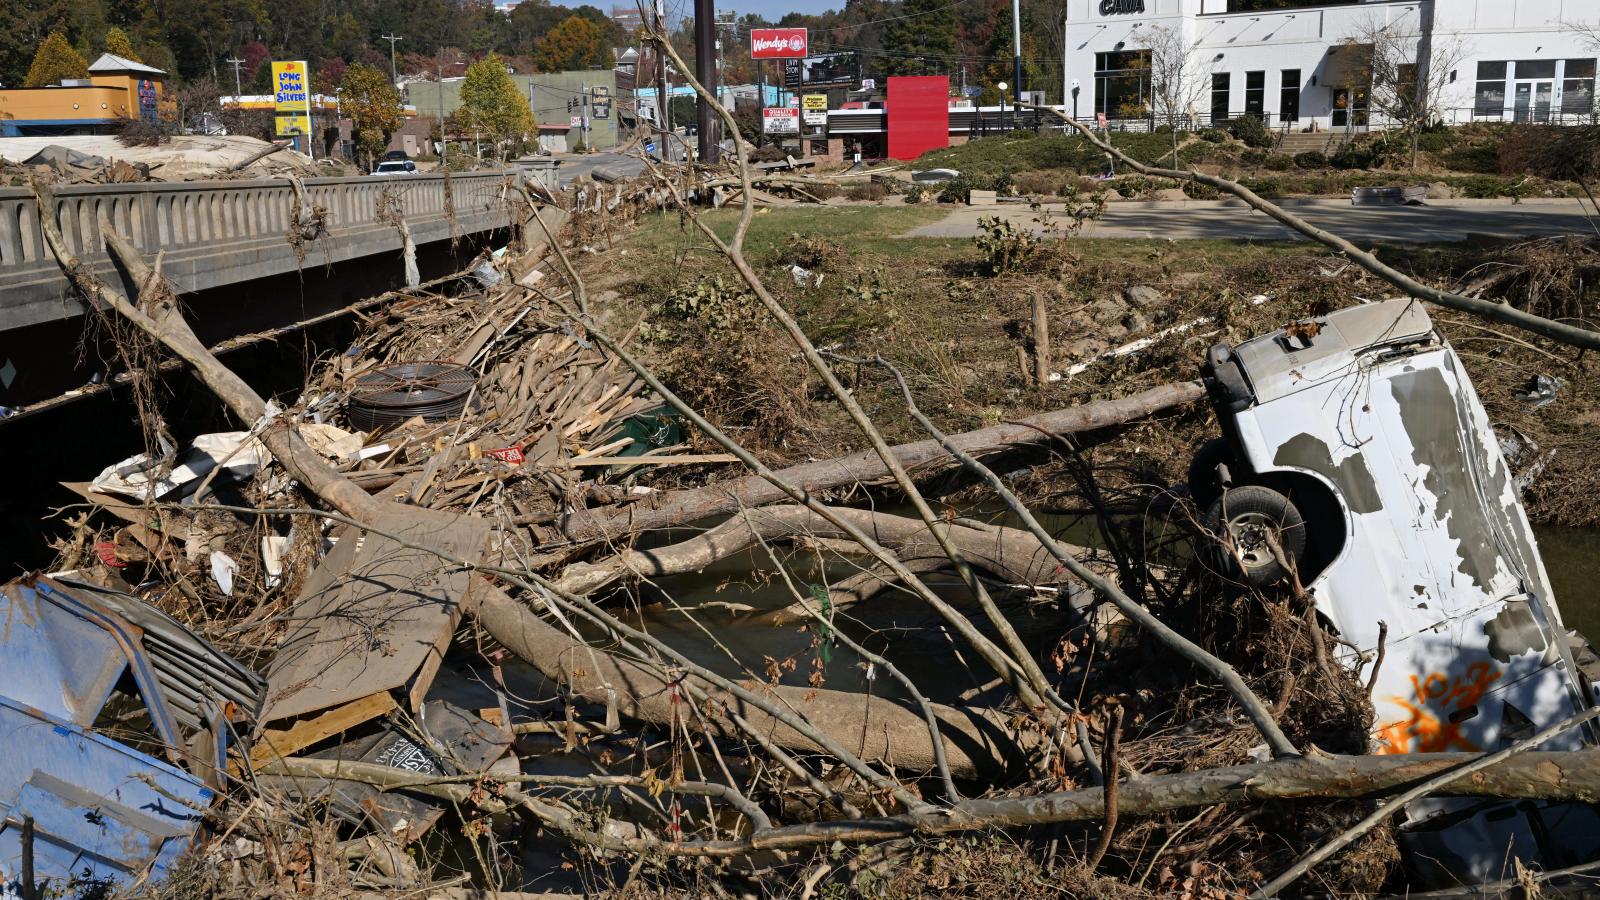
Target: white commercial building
(1301, 68)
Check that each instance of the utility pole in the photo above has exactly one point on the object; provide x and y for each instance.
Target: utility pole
(663, 100)
(1016, 54)
(444, 140)
(705, 70)
(237, 88)
(392, 38)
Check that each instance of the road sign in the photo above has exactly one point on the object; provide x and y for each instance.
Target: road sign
(780, 120)
(814, 109)
(869, 84)
(577, 122)
(601, 106)
(777, 43)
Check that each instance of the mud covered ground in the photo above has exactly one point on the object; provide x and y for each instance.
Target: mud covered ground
(963, 338)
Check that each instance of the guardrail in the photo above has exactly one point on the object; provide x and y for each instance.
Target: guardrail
(174, 216)
(223, 232)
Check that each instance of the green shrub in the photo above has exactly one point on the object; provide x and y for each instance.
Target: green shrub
(1252, 131)
(1004, 246)
(1353, 156)
(1265, 187)
(1311, 159)
(1134, 187)
(1252, 157)
(1433, 141)
(1482, 187)
(1213, 136)
(1478, 158)
(1278, 162)
(959, 189)
(1198, 191)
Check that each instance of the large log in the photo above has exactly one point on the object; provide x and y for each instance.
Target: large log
(921, 458)
(876, 730)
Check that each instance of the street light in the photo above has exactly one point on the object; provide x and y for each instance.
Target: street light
(1002, 87)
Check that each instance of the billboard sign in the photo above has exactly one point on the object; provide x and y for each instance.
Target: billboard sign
(291, 97)
(814, 109)
(780, 120)
(830, 70)
(778, 43)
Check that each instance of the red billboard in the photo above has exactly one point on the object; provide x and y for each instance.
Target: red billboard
(777, 43)
(918, 108)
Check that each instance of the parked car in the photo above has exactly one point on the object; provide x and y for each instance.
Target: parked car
(1356, 453)
(115, 725)
(396, 167)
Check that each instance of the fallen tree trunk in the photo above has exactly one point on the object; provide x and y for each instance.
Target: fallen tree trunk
(1009, 554)
(922, 458)
(878, 730)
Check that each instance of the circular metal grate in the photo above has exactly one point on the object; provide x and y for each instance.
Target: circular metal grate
(436, 391)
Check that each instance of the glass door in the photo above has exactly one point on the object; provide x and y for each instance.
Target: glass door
(1533, 99)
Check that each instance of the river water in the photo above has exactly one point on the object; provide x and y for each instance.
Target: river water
(716, 617)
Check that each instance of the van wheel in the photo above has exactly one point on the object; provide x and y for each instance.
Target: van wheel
(1243, 519)
(1204, 485)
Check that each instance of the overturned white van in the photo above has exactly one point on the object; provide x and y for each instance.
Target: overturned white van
(1356, 443)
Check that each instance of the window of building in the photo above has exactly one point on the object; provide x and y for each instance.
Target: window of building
(1577, 87)
(1289, 96)
(1535, 68)
(1491, 92)
(1220, 86)
(1255, 94)
(1122, 84)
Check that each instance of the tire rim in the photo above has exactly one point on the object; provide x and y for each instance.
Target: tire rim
(1250, 533)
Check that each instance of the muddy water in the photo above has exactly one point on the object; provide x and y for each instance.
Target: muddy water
(716, 617)
(1572, 559)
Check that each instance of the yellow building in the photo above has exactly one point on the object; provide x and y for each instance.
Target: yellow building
(116, 90)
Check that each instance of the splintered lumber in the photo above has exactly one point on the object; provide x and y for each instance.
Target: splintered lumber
(920, 458)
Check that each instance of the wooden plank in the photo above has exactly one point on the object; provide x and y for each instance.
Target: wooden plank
(284, 742)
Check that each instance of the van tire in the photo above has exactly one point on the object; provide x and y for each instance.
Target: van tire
(1204, 485)
(1240, 519)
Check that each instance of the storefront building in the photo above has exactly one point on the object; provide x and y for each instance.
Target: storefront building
(1309, 67)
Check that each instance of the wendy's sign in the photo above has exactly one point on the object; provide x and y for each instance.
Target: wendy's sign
(777, 43)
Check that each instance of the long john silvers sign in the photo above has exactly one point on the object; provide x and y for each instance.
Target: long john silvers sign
(1120, 7)
(778, 43)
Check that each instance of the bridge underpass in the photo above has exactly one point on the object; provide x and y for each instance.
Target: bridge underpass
(225, 246)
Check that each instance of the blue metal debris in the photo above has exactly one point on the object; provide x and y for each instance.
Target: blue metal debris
(79, 665)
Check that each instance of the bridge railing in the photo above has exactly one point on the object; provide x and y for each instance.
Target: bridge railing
(180, 216)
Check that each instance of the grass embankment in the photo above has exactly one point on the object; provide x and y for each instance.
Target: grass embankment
(1473, 161)
(959, 334)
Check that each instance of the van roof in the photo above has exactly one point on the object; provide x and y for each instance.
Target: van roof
(1289, 359)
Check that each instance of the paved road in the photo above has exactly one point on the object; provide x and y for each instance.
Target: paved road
(1440, 221)
(577, 165)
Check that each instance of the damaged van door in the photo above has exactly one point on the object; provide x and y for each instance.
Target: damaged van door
(1356, 452)
(115, 722)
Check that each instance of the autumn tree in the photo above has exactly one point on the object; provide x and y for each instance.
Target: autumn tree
(373, 105)
(54, 61)
(492, 104)
(117, 44)
(575, 43)
(1180, 78)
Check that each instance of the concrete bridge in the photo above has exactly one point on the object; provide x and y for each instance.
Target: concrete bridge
(227, 250)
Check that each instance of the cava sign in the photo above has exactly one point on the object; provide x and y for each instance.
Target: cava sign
(1120, 7)
(777, 43)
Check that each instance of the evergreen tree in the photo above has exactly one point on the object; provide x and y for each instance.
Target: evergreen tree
(922, 40)
(117, 44)
(492, 104)
(54, 61)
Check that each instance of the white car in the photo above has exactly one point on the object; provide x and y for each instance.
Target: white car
(396, 167)
(1356, 440)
